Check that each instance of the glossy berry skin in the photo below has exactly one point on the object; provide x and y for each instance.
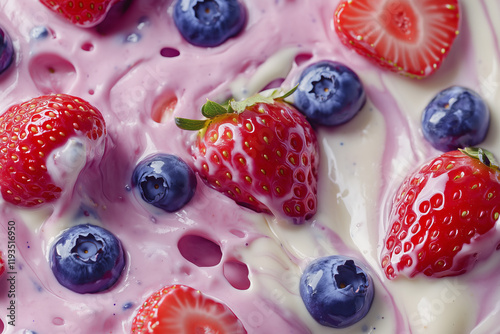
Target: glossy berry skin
(165, 181)
(6, 50)
(181, 309)
(336, 291)
(84, 13)
(408, 37)
(209, 23)
(444, 217)
(457, 117)
(87, 259)
(31, 131)
(264, 157)
(329, 93)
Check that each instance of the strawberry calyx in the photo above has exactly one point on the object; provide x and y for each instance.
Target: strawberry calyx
(486, 157)
(211, 110)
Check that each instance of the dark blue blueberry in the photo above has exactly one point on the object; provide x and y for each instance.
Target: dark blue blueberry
(329, 93)
(87, 259)
(165, 181)
(6, 50)
(209, 23)
(456, 117)
(336, 292)
(39, 32)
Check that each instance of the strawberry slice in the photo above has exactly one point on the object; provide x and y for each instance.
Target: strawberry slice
(29, 133)
(85, 13)
(181, 309)
(411, 37)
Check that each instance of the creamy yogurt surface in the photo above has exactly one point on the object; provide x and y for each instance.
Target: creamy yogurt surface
(134, 68)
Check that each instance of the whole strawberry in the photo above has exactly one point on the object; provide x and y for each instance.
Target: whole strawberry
(85, 13)
(29, 133)
(260, 152)
(444, 217)
(181, 309)
(409, 37)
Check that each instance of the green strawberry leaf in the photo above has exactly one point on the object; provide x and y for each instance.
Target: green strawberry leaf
(289, 93)
(212, 109)
(190, 124)
(240, 106)
(486, 157)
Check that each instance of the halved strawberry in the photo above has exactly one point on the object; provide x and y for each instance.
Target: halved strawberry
(85, 13)
(29, 132)
(260, 152)
(411, 37)
(181, 309)
(445, 217)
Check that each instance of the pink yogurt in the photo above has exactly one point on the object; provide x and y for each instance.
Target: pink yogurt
(249, 261)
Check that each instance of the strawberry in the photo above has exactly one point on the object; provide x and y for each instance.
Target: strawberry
(2, 264)
(444, 217)
(411, 37)
(29, 132)
(85, 13)
(260, 152)
(181, 309)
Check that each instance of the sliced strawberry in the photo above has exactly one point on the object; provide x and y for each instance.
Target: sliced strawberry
(445, 216)
(29, 132)
(85, 13)
(262, 153)
(181, 309)
(411, 37)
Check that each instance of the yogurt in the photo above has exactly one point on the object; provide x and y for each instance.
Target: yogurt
(134, 70)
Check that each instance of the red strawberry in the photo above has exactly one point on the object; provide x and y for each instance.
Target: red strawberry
(2, 264)
(444, 217)
(181, 309)
(85, 13)
(29, 132)
(260, 152)
(411, 37)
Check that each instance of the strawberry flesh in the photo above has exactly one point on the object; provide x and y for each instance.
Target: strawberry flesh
(411, 37)
(183, 310)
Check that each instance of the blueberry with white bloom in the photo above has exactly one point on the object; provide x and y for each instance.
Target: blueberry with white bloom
(336, 291)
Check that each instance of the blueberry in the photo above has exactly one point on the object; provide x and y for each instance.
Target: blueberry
(329, 93)
(456, 117)
(165, 181)
(87, 259)
(336, 292)
(6, 50)
(209, 23)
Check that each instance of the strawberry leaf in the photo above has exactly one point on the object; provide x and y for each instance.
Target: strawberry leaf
(240, 106)
(190, 124)
(486, 157)
(212, 109)
(289, 93)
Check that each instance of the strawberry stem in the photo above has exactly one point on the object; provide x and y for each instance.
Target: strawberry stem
(486, 157)
(212, 109)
